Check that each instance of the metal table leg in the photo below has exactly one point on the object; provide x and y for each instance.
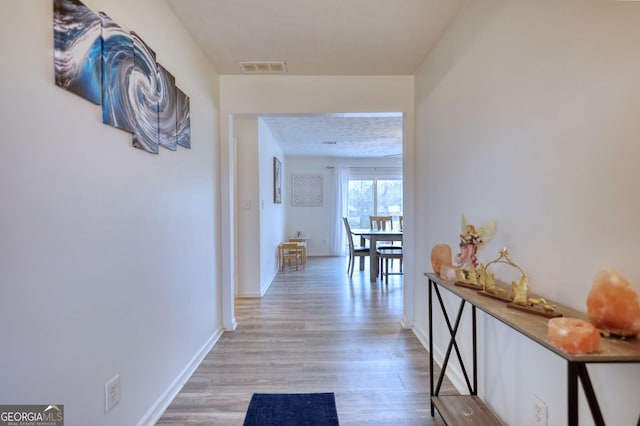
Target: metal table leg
(572, 394)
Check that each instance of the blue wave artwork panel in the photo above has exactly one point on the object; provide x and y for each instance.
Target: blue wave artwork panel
(143, 84)
(167, 107)
(117, 66)
(183, 119)
(77, 49)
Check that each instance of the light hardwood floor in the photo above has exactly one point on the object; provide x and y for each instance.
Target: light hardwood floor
(315, 330)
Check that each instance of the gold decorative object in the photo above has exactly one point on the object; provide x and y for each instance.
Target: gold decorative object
(468, 279)
(489, 288)
(481, 272)
(472, 277)
(536, 301)
(520, 291)
(504, 258)
(503, 293)
(519, 297)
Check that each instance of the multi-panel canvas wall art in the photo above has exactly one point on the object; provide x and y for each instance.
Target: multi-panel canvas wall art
(143, 81)
(183, 121)
(167, 108)
(100, 61)
(77, 49)
(117, 65)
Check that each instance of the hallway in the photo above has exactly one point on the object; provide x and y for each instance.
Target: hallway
(315, 330)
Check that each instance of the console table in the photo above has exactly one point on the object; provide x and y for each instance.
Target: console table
(534, 327)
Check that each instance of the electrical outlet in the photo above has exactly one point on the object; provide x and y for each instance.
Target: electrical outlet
(112, 393)
(539, 411)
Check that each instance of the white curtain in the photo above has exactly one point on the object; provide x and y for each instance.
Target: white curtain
(340, 181)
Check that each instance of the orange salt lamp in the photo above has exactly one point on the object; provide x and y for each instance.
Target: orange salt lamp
(448, 272)
(612, 305)
(573, 335)
(440, 255)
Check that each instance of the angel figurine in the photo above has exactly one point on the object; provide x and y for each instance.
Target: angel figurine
(471, 240)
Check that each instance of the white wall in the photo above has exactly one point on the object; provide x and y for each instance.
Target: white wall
(276, 94)
(272, 215)
(527, 112)
(313, 222)
(248, 198)
(107, 254)
(316, 222)
(260, 222)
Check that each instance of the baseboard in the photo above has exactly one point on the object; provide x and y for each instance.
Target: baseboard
(264, 289)
(424, 340)
(261, 292)
(454, 374)
(404, 323)
(158, 408)
(250, 295)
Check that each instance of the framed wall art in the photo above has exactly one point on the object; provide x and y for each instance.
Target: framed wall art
(277, 181)
(306, 190)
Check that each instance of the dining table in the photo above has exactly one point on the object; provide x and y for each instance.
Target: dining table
(374, 236)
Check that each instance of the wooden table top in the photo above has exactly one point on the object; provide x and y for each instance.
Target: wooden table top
(612, 350)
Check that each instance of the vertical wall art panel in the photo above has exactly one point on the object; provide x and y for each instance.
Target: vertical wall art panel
(183, 119)
(167, 108)
(277, 181)
(117, 65)
(77, 49)
(143, 95)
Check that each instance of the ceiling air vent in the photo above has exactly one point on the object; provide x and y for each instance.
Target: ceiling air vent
(263, 67)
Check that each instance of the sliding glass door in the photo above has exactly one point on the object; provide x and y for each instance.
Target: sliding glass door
(373, 192)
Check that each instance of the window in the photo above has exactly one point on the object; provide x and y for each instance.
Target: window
(373, 192)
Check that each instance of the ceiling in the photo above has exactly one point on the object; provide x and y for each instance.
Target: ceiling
(322, 37)
(339, 135)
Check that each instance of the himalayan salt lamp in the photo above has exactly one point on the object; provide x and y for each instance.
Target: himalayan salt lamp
(612, 305)
(573, 335)
(440, 255)
(448, 272)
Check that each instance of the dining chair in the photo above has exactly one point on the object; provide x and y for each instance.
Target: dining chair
(383, 223)
(389, 254)
(354, 251)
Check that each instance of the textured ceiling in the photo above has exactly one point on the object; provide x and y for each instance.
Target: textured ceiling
(322, 37)
(367, 136)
